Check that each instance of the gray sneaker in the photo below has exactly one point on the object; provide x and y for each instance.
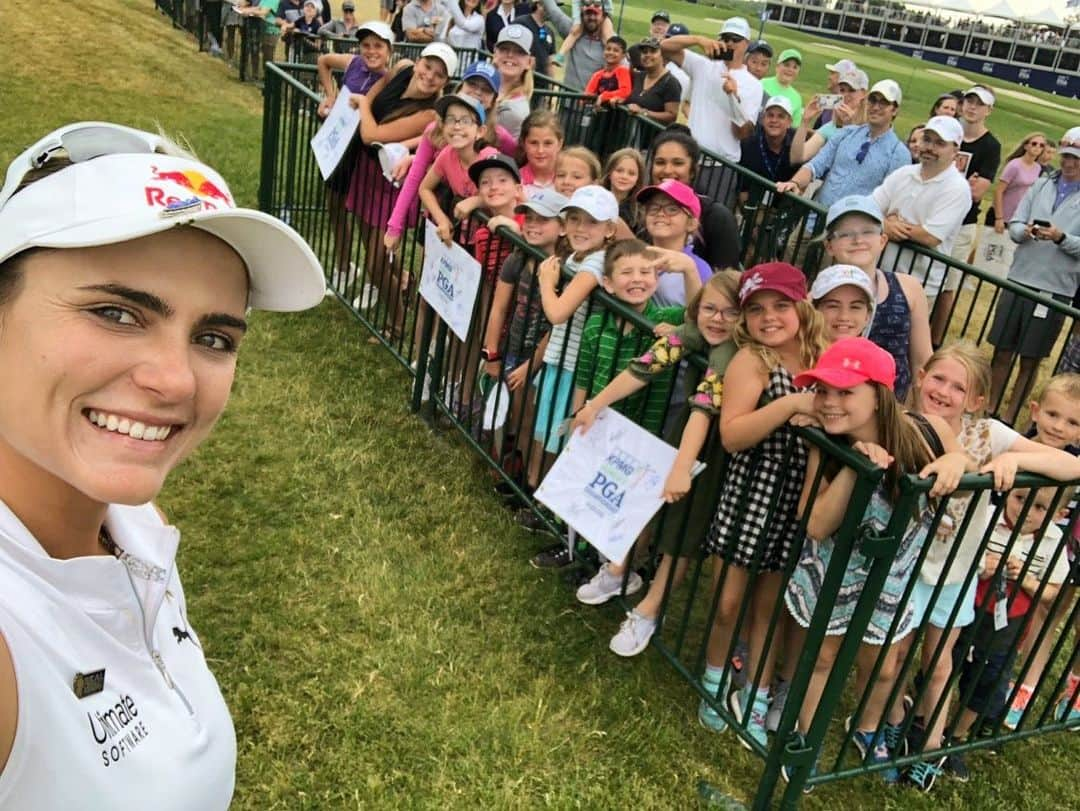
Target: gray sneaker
(634, 635)
(776, 708)
(605, 585)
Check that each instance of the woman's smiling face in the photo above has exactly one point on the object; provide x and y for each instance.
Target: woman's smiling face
(118, 360)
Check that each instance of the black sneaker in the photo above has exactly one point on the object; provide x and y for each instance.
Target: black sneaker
(956, 768)
(527, 518)
(556, 556)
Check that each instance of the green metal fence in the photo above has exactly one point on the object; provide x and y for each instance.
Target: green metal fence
(450, 389)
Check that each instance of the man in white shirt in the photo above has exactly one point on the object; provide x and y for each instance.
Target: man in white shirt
(724, 97)
(925, 203)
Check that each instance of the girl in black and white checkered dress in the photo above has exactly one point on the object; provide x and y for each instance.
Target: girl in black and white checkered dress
(755, 529)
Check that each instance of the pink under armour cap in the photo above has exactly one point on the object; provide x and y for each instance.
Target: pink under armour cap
(850, 362)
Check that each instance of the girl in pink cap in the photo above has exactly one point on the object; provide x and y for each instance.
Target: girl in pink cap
(780, 335)
(853, 399)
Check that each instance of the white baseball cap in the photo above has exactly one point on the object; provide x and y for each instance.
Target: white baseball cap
(378, 28)
(855, 79)
(836, 276)
(596, 201)
(443, 52)
(120, 185)
(738, 26)
(984, 94)
(843, 66)
(783, 102)
(889, 89)
(947, 127)
(1070, 143)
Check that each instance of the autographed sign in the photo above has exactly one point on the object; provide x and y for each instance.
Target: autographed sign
(450, 281)
(332, 139)
(607, 484)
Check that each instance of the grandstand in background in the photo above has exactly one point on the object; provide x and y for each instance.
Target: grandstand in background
(1039, 49)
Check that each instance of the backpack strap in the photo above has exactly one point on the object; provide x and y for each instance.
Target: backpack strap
(928, 433)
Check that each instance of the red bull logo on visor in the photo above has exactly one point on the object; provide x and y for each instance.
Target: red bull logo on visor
(167, 189)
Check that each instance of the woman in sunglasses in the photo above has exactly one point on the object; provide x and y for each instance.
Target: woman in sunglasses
(126, 272)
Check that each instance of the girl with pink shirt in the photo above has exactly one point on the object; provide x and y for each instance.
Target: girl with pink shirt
(481, 82)
(1021, 170)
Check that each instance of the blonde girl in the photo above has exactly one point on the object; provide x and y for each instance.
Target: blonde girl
(710, 320)
(780, 335)
(953, 386)
(541, 140)
(590, 220)
(853, 401)
(575, 167)
(624, 176)
(514, 62)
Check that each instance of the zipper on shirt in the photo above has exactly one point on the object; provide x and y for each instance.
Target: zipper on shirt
(155, 654)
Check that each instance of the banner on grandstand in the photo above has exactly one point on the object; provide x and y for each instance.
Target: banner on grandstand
(449, 282)
(607, 483)
(332, 139)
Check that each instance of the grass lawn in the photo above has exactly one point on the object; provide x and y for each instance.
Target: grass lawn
(366, 605)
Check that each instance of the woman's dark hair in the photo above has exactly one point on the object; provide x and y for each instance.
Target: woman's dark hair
(677, 134)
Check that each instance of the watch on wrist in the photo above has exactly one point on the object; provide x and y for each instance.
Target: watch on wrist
(490, 355)
(1060, 239)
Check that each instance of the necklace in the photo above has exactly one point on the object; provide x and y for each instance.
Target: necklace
(107, 543)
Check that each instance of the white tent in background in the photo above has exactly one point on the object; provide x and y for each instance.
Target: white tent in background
(1003, 10)
(1046, 15)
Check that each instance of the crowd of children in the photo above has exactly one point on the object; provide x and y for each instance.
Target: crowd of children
(974, 588)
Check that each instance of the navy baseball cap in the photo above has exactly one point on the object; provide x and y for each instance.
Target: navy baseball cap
(485, 71)
(676, 30)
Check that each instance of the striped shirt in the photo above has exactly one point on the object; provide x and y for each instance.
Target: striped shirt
(608, 345)
(569, 333)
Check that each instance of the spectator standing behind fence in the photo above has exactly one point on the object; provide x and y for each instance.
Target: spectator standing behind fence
(755, 528)
(1055, 422)
(502, 15)
(587, 54)
(925, 203)
(658, 28)
(853, 399)
(710, 318)
(347, 26)
(397, 109)
(858, 159)
(421, 20)
(852, 88)
(978, 160)
(947, 104)
(724, 97)
(513, 58)
(361, 72)
(607, 29)
(767, 152)
(675, 156)
(532, 16)
(464, 25)
(788, 65)
(267, 10)
(611, 84)
(1021, 171)
(954, 386)
(1046, 225)
(901, 326)
(832, 84)
(654, 92)
(1020, 559)
(301, 35)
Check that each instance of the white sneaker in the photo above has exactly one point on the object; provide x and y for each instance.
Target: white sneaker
(367, 299)
(634, 635)
(605, 585)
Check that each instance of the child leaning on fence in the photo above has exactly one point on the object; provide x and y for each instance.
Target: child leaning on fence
(1025, 554)
(954, 386)
(709, 320)
(755, 527)
(853, 400)
(609, 343)
(1055, 421)
(518, 313)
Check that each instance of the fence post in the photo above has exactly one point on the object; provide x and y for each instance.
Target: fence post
(271, 129)
(792, 749)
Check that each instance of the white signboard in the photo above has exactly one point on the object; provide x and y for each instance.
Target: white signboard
(450, 281)
(607, 484)
(333, 137)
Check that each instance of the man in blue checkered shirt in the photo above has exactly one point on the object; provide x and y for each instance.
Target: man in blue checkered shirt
(858, 158)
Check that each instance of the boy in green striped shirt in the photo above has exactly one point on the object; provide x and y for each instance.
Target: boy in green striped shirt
(609, 343)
